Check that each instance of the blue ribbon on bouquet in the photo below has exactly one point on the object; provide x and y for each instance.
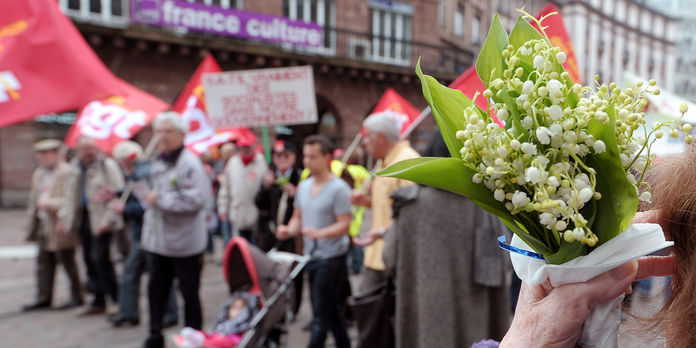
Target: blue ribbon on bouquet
(512, 249)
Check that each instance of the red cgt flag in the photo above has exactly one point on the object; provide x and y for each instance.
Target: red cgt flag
(45, 64)
(396, 106)
(114, 119)
(191, 106)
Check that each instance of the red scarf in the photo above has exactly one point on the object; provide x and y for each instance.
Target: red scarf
(247, 159)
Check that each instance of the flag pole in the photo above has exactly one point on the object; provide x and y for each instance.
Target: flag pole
(351, 148)
(415, 123)
(266, 143)
(149, 150)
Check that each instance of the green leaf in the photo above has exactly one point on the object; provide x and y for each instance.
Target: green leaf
(452, 175)
(566, 252)
(523, 32)
(448, 107)
(490, 63)
(619, 201)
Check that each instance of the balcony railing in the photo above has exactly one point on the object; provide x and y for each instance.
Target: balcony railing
(388, 50)
(338, 42)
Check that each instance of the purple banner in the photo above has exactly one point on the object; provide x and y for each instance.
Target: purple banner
(227, 22)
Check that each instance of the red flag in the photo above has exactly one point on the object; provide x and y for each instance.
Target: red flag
(556, 31)
(396, 106)
(45, 64)
(191, 106)
(114, 119)
(470, 83)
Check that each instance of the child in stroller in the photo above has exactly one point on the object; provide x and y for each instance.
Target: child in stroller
(232, 321)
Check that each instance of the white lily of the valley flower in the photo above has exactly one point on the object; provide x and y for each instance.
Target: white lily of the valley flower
(555, 112)
(520, 199)
(533, 175)
(539, 62)
(599, 146)
(499, 195)
(527, 86)
(544, 135)
(528, 148)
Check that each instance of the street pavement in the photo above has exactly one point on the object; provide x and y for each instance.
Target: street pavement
(54, 328)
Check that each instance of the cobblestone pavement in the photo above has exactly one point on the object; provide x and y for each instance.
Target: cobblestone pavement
(54, 328)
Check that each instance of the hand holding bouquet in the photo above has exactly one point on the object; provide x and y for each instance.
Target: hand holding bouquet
(561, 164)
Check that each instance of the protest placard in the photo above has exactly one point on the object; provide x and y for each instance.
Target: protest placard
(262, 97)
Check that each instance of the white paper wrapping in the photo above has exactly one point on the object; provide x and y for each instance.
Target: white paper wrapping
(602, 326)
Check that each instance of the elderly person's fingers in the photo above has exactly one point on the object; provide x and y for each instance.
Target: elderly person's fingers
(601, 288)
(655, 266)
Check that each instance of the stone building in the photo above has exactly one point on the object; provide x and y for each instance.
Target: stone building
(613, 36)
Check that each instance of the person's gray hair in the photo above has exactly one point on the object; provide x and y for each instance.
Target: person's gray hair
(172, 117)
(382, 122)
(127, 149)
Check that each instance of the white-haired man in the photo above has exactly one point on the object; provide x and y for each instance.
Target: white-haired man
(381, 142)
(130, 157)
(174, 229)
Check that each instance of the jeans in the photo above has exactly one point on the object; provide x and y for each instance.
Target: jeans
(326, 279)
(129, 288)
(163, 270)
(225, 232)
(106, 276)
(355, 259)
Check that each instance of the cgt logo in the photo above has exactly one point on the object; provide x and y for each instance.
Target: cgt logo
(9, 86)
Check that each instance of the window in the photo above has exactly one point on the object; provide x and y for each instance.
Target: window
(238, 4)
(476, 29)
(390, 26)
(459, 20)
(322, 12)
(441, 12)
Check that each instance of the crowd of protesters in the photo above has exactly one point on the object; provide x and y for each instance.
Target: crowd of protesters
(171, 203)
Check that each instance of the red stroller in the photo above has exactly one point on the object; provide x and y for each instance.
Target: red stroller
(269, 276)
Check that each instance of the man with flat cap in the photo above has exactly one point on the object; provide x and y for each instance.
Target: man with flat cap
(47, 225)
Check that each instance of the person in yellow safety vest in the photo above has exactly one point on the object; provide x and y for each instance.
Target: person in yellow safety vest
(358, 174)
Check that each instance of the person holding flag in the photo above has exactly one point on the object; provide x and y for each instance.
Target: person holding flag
(382, 142)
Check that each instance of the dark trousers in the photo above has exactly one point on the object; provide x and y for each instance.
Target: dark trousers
(46, 270)
(129, 287)
(162, 273)
(86, 242)
(248, 235)
(106, 276)
(326, 279)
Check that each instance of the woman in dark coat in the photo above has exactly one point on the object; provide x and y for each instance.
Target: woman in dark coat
(450, 277)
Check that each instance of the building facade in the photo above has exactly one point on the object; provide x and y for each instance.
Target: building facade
(611, 37)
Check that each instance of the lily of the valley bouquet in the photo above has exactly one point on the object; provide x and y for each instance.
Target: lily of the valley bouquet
(561, 164)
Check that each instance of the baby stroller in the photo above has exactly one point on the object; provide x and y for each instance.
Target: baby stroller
(269, 276)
